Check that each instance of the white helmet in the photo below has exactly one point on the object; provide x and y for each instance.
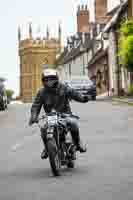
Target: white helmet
(50, 76)
(49, 72)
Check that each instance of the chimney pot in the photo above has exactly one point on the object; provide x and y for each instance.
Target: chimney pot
(83, 19)
(100, 10)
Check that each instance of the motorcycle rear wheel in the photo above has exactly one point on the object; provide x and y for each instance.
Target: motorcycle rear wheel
(54, 158)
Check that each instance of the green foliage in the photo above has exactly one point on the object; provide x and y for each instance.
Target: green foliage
(130, 89)
(127, 28)
(126, 52)
(9, 93)
(126, 45)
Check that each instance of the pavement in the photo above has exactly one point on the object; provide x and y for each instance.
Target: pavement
(122, 99)
(127, 100)
(105, 172)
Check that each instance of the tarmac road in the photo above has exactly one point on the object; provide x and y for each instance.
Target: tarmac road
(105, 172)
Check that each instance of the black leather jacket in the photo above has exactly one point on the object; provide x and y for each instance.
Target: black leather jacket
(57, 99)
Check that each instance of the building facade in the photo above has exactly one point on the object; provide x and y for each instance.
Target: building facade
(35, 53)
(88, 53)
(130, 8)
(118, 75)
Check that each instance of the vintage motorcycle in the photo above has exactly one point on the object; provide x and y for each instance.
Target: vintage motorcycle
(59, 143)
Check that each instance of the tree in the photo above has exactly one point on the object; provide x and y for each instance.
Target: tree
(127, 53)
(127, 28)
(126, 48)
(126, 45)
(9, 94)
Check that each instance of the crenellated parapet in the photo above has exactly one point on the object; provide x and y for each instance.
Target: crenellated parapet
(37, 42)
(35, 53)
(82, 9)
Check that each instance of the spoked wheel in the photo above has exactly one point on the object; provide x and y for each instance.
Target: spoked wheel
(54, 158)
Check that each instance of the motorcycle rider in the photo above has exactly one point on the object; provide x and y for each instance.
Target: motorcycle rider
(56, 95)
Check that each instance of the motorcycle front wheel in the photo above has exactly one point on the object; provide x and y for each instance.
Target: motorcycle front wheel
(54, 158)
(71, 164)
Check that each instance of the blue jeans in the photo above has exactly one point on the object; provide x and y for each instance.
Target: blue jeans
(72, 122)
(73, 127)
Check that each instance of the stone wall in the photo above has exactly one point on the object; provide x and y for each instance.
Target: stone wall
(33, 55)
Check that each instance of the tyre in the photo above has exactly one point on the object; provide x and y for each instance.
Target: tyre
(93, 98)
(6, 106)
(53, 157)
(2, 106)
(70, 164)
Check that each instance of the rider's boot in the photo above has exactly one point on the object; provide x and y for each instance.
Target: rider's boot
(44, 154)
(79, 146)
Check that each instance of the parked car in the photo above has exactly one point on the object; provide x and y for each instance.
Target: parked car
(84, 85)
(3, 99)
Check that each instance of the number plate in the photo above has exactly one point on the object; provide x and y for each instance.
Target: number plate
(49, 136)
(52, 120)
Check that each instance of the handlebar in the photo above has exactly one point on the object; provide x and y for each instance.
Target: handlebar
(63, 115)
(42, 117)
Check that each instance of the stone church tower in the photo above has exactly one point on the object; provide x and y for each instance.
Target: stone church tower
(34, 53)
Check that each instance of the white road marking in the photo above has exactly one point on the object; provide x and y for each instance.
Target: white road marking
(15, 147)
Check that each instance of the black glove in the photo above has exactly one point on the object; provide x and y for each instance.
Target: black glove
(33, 120)
(85, 98)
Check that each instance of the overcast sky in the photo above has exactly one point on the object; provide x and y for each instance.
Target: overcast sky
(14, 13)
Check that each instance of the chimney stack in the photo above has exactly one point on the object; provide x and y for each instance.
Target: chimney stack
(83, 18)
(100, 11)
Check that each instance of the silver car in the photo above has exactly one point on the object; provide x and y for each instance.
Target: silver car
(83, 85)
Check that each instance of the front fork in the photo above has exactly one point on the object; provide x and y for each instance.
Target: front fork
(48, 134)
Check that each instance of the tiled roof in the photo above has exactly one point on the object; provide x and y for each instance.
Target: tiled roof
(115, 18)
(97, 56)
(80, 48)
(67, 56)
(113, 11)
(61, 57)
